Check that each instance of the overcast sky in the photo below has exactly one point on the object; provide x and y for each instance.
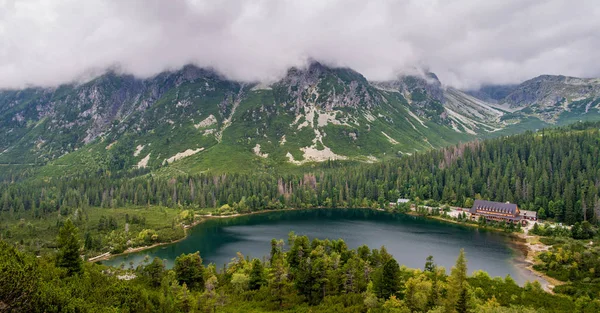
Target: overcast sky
(465, 42)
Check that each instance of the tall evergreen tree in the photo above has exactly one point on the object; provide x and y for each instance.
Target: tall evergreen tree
(461, 304)
(257, 275)
(429, 264)
(189, 270)
(389, 282)
(154, 272)
(457, 281)
(68, 249)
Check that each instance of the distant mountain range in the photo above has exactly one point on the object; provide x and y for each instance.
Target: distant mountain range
(194, 119)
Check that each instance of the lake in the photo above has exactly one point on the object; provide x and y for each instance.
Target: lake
(409, 239)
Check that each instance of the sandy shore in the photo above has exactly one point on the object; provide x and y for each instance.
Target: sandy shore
(531, 247)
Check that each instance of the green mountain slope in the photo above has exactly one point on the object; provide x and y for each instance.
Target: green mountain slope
(194, 120)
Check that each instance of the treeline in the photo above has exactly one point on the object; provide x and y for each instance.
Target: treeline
(302, 276)
(575, 262)
(553, 172)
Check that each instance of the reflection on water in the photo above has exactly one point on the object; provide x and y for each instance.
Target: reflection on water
(409, 239)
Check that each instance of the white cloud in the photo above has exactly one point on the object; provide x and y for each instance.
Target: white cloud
(465, 42)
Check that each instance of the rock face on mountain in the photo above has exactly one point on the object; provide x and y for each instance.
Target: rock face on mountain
(472, 115)
(424, 94)
(328, 88)
(548, 90)
(48, 123)
(200, 120)
(547, 97)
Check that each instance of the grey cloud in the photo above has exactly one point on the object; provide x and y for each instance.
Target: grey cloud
(465, 42)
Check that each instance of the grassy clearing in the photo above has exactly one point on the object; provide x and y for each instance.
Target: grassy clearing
(108, 229)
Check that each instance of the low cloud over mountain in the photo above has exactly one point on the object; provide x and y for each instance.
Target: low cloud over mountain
(467, 43)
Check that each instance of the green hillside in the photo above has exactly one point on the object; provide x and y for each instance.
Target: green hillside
(193, 120)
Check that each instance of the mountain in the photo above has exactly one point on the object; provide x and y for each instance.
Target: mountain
(550, 98)
(492, 93)
(193, 119)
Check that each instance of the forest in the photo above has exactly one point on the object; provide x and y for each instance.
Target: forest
(47, 224)
(301, 275)
(555, 172)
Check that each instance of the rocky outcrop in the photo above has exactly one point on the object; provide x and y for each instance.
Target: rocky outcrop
(328, 88)
(424, 93)
(551, 90)
(323, 108)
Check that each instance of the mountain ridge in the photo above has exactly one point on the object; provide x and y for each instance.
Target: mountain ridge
(194, 116)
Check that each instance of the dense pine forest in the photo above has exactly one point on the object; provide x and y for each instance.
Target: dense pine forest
(198, 156)
(300, 276)
(554, 172)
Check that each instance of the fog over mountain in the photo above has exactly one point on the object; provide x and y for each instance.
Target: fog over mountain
(466, 43)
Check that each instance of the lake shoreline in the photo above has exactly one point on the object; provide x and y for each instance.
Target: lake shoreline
(107, 256)
(519, 241)
(530, 252)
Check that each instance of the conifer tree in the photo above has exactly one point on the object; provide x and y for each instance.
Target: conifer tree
(189, 270)
(461, 304)
(457, 281)
(388, 284)
(429, 264)
(154, 272)
(257, 276)
(68, 245)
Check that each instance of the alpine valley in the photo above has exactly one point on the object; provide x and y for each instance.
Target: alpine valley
(194, 120)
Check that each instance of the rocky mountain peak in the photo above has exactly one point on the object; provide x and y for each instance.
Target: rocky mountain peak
(314, 113)
(424, 93)
(326, 87)
(552, 90)
(427, 84)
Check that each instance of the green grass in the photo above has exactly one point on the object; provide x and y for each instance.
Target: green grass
(263, 118)
(39, 234)
(579, 115)
(525, 124)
